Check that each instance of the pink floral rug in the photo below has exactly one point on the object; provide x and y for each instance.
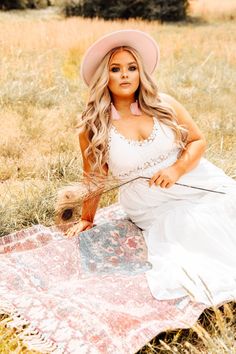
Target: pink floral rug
(88, 294)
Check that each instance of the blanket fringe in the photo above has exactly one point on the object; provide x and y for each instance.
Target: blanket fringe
(30, 335)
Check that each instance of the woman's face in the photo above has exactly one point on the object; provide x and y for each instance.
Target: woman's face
(123, 74)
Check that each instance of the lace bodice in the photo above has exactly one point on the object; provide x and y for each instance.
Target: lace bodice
(129, 157)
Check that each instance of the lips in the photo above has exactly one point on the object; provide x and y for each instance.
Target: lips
(125, 84)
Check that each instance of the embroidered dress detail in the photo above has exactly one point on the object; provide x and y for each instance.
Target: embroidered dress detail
(149, 139)
(127, 156)
(140, 170)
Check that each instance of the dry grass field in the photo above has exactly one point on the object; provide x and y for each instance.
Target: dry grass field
(41, 95)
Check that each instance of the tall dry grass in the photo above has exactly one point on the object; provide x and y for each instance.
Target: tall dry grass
(212, 10)
(41, 95)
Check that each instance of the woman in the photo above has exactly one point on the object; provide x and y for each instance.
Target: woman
(185, 205)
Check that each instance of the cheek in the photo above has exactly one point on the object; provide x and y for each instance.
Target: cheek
(134, 74)
(112, 83)
(112, 79)
(136, 77)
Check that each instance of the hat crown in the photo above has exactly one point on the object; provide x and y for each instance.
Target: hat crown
(141, 41)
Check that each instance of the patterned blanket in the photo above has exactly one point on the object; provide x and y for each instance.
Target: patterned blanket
(88, 294)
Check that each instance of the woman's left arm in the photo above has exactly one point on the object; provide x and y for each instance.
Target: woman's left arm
(195, 147)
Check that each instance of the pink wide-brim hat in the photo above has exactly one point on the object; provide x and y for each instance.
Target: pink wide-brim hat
(142, 42)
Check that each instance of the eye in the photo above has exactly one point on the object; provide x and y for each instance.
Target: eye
(114, 69)
(132, 68)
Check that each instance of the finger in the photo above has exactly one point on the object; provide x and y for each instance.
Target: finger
(170, 184)
(152, 180)
(69, 234)
(72, 231)
(76, 232)
(72, 234)
(163, 184)
(159, 180)
(89, 227)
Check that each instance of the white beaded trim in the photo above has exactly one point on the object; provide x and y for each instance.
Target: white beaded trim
(142, 142)
(150, 163)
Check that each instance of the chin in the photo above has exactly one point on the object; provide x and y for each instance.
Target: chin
(126, 92)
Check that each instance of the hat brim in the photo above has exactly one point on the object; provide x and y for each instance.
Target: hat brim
(142, 42)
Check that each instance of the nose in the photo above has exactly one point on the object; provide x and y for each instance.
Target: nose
(124, 73)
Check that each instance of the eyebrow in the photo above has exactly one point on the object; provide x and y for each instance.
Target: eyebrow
(117, 64)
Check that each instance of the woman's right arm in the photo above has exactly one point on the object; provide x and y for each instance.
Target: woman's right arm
(89, 205)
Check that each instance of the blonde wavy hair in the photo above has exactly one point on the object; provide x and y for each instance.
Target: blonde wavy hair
(96, 118)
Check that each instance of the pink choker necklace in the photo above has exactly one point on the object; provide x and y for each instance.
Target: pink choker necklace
(134, 109)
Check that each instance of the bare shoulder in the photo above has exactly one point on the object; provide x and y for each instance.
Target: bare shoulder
(172, 102)
(181, 112)
(182, 115)
(165, 97)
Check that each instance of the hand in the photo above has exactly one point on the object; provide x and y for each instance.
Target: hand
(82, 225)
(166, 177)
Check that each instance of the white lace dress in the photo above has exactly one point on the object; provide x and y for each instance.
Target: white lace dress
(190, 233)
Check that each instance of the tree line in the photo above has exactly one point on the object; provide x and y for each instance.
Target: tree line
(162, 10)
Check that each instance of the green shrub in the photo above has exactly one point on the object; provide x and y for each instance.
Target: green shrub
(12, 4)
(163, 10)
(23, 4)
